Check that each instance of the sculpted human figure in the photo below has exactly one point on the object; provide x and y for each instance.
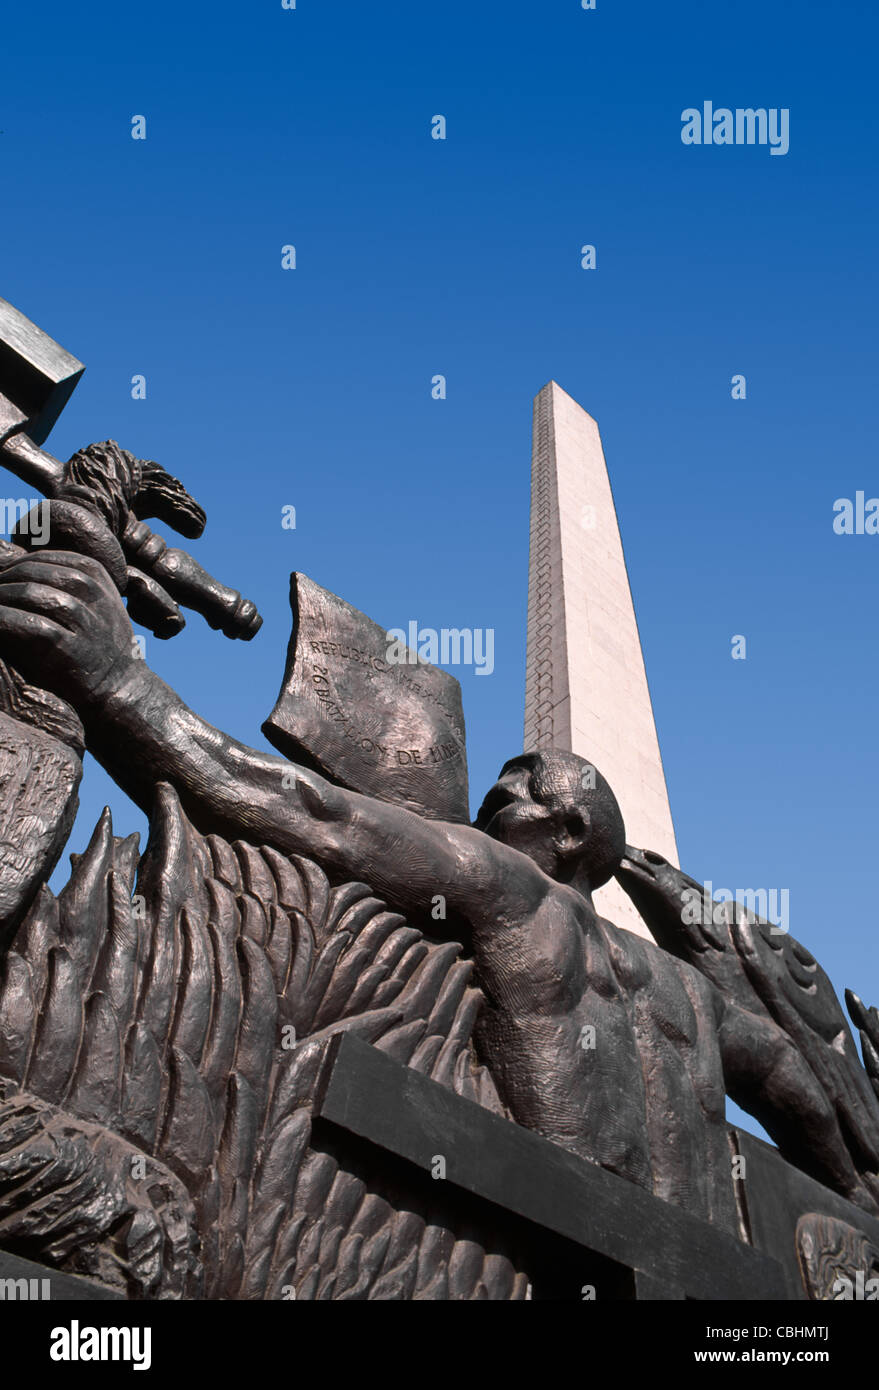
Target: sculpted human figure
(602, 1042)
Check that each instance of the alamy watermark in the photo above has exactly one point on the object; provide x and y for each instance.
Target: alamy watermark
(32, 517)
(76, 1343)
(24, 1290)
(719, 907)
(746, 125)
(861, 1288)
(856, 518)
(447, 646)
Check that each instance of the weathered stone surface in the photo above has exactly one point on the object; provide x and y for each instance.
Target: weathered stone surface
(395, 732)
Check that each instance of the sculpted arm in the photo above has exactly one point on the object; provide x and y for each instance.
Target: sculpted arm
(237, 791)
(63, 624)
(768, 1076)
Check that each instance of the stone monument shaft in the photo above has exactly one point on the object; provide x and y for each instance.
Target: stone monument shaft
(586, 686)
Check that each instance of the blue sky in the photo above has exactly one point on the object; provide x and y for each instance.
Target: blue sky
(311, 387)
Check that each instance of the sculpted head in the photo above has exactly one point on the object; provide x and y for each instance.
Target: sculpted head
(558, 809)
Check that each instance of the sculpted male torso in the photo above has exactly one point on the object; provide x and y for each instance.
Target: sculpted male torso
(598, 1040)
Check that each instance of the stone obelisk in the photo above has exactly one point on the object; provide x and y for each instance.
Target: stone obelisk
(586, 686)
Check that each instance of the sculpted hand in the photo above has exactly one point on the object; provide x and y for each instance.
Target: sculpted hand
(63, 624)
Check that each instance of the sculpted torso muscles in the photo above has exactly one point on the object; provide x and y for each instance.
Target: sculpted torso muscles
(675, 1017)
(556, 1030)
(591, 1033)
(600, 1041)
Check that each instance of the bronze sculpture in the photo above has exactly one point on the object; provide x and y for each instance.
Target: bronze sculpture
(170, 1025)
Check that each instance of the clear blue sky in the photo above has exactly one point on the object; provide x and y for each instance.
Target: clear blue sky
(312, 387)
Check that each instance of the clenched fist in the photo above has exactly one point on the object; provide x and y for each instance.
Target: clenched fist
(64, 625)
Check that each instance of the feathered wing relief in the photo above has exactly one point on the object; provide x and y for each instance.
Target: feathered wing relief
(180, 1007)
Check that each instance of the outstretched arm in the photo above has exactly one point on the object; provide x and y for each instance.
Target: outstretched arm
(64, 625)
(767, 1075)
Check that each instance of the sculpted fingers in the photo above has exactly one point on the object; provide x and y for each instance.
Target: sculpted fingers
(25, 574)
(76, 574)
(10, 554)
(43, 600)
(28, 633)
(63, 623)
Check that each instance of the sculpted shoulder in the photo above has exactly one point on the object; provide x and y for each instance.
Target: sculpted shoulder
(639, 963)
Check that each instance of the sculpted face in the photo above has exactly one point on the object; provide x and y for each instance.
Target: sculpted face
(558, 809)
